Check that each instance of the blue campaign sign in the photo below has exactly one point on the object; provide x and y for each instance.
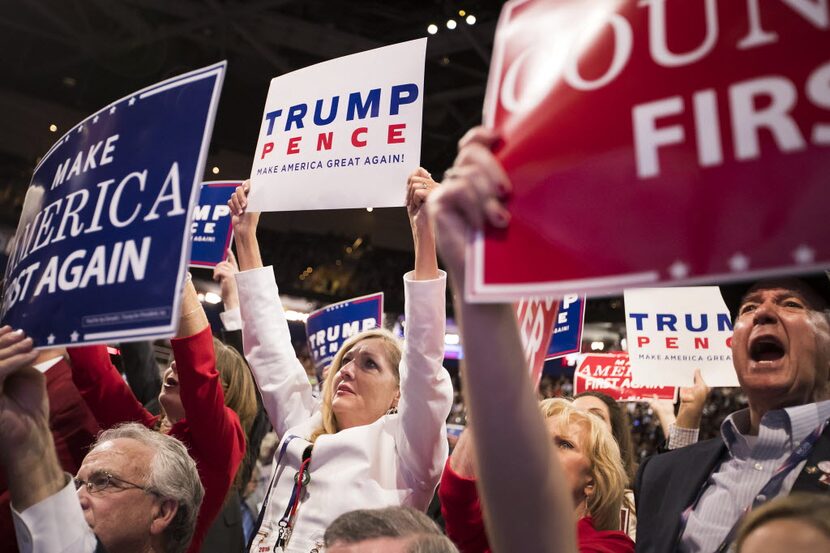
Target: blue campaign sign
(567, 330)
(211, 227)
(103, 242)
(329, 327)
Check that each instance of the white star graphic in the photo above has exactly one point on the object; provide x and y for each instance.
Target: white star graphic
(804, 254)
(678, 270)
(80, 128)
(94, 119)
(74, 336)
(132, 101)
(50, 339)
(739, 263)
(112, 110)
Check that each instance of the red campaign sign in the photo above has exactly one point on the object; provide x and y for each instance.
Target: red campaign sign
(654, 141)
(536, 319)
(611, 375)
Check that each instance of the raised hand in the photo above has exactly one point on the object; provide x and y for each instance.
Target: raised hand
(419, 186)
(27, 451)
(224, 273)
(244, 228)
(24, 408)
(244, 222)
(692, 400)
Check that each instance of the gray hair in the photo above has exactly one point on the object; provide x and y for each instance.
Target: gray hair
(173, 475)
(428, 543)
(391, 522)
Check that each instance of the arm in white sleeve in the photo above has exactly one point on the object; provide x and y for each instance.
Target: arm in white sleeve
(231, 319)
(281, 378)
(54, 525)
(426, 389)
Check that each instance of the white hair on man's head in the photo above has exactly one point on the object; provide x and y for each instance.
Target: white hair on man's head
(172, 475)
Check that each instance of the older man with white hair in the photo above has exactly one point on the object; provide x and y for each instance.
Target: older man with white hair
(136, 490)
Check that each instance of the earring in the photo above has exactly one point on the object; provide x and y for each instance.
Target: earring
(392, 411)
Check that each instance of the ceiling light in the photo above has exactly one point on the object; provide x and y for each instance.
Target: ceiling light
(451, 24)
(292, 315)
(215, 170)
(471, 19)
(53, 127)
(597, 346)
(432, 29)
(370, 209)
(462, 13)
(213, 297)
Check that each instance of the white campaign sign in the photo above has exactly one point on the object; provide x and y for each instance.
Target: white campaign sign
(673, 331)
(343, 133)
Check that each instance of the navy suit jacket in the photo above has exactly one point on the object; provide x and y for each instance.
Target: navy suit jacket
(669, 482)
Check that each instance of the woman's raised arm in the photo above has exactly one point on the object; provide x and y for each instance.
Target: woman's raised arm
(426, 390)
(526, 501)
(215, 428)
(280, 377)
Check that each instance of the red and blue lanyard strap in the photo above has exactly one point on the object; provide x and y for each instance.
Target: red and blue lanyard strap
(265, 502)
(301, 480)
(770, 490)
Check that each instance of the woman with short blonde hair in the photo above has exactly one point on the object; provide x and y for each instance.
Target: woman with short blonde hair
(594, 479)
(601, 449)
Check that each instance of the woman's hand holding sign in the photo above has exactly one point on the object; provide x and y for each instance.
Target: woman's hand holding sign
(418, 187)
(244, 228)
(497, 389)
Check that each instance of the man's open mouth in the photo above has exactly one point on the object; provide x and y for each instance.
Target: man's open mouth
(766, 348)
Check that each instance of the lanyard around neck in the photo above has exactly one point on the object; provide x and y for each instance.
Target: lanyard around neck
(301, 480)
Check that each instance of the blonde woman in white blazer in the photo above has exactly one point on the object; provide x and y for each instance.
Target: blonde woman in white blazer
(377, 436)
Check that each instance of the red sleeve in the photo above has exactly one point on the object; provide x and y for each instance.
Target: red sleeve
(601, 541)
(72, 422)
(104, 390)
(215, 430)
(461, 509)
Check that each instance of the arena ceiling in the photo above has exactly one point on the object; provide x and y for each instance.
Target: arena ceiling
(62, 59)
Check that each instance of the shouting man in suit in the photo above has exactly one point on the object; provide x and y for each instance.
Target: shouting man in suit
(692, 499)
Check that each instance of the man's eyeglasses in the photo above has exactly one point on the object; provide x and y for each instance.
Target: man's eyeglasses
(100, 481)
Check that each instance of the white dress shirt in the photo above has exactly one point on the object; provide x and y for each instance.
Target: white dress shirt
(54, 525)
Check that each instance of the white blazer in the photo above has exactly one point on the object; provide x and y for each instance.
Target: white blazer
(397, 460)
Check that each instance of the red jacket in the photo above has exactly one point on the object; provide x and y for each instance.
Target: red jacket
(461, 509)
(215, 439)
